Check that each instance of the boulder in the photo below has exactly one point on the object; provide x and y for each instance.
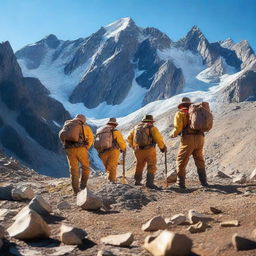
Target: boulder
(154, 224)
(240, 179)
(195, 217)
(1, 232)
(71, 235)
(172, 177)
(6, 192)
(37, 204)
(87, 200)
(253, 176)
(198, 227)
(177, 219)
(123, 240)
(168, 243)
(29, 225)
(22, 193)
(215, 210)
(230, 223)
(243, 244)
(63, 205)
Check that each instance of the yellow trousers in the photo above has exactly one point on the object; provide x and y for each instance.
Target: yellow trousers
(110, 160)
(74, 157)
(143, 157)
(190, 145)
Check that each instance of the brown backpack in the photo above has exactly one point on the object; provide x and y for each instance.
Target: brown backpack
(71, 131)
(200, 117)
(104, 139)
(142, 135)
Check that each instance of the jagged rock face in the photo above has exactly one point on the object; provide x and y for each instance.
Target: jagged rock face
(27, 112)
(244, 88)
(167, 82)
(36, 52)
(196, 42)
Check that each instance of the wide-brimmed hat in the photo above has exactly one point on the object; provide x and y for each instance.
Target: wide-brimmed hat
(81, 118)
(112, 120)
(185, 102)
(148, 118)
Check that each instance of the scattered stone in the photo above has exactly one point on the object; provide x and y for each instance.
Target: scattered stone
(230, 223)
(168, 243)
(87, 200)
(243, 244)
(29, 225)
(154, 224)
(215, 210)
(1, 232)
(63, 205)
(62, 250)
(172, 177)
(22, 193)
(37, 204)
(123, 240)
(240, 179)
(6, 192)
(253, 176)
(195, 217)
(4, 213)
(105, 253)
(177, 219)
(71, 235)
(221, 175)
(198, 227)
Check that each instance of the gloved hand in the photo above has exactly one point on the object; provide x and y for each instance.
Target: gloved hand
(164, 149)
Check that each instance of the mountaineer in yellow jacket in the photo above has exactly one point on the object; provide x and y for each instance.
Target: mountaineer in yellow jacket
(143, 139)
(77, 152)
(192, 143)
(109, 145)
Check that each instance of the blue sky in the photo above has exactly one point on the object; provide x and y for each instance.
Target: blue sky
(27, 21)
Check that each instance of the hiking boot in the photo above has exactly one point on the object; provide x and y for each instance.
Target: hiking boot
(202, 177)
(150, 181)
(138, 178)
(181, 182)
(137, 183)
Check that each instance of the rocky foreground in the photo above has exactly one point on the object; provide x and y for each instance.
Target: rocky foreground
(40, 216)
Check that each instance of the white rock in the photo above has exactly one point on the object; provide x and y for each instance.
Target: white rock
(240, 179)
(195, 217)
(29, 225)
(253, 176)
(87, 200)
(172, 177)
(1, 232)
(71, 235)
(230, 223)
(154, 224)
(198, 227)
(118, 240)
(64, 205)
(22, 193)
(168, 243)
(178, 219)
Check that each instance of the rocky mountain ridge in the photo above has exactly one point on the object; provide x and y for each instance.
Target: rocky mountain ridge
(122, 58)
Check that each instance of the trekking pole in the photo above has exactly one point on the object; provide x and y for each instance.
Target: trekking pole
(124, 178)
(165, 163)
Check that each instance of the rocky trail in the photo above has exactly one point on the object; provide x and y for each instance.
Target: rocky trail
(127, 208)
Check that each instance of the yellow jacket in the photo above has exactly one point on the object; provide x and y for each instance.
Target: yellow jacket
(156, 135)
(118, 137)
(88, 135)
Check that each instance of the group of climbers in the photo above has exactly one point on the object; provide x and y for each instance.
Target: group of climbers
(143, 139)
